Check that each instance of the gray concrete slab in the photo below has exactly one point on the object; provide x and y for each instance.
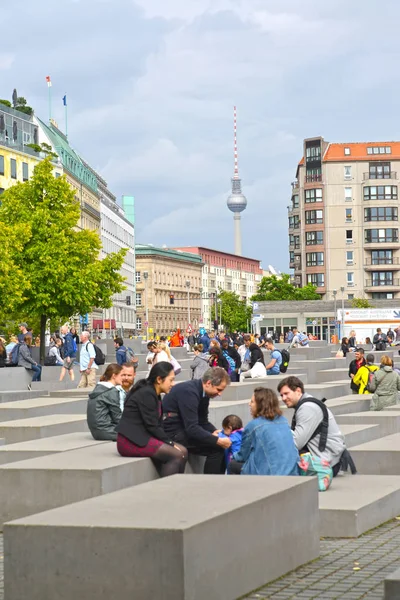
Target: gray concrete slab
(31, 486)
(329, 389)
(356, 503)
(388, 420)
(2, 441)
(22, 430)
(219, 409)
(25, 409)
(378, 457)
(358, 434)
(83, 392)
(16, 395)
(332, 375)
(392, 586)
(45, 446)
(203, 544)
(244, 389)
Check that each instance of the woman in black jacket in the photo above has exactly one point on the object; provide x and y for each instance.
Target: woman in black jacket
(345, 347)
(140, 431)
(217, 359)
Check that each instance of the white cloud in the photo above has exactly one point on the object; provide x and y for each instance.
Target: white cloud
(6, 60)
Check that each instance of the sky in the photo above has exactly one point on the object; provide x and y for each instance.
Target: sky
(151, 86)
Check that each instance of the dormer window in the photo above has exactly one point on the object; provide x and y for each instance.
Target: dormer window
(347, 151)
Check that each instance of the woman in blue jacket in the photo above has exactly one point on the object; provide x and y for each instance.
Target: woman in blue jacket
(267, 445)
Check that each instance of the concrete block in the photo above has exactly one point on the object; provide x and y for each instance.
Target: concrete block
(203, 544)
(2, 441)
(219, 409)
(356, 503)
(82, 392)
(332, 375)
(329, 389)
(31, 486)
(42, 447)
(22, 430)
(359, 434)
(15, 378)
(392, 586)
(244, 389)
(388, 420)
(16, 395)
(378, 457)
(25, 409)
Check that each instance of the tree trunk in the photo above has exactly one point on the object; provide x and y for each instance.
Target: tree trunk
(43, 321)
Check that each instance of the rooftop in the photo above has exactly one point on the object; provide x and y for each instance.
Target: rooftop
(232, 255)
(148, 249)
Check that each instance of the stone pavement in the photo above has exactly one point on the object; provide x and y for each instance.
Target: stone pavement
(348, 569)
(334, 575)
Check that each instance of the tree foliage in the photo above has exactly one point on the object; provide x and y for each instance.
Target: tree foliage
(236, 314)
(275, 288)
(49, 268)
(360, 303)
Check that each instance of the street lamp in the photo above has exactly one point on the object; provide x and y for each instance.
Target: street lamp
(188, 293)
(220, 312)
(335, 309)
(342, 290)
(146, 276)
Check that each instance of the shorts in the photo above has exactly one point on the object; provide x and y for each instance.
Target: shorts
(68, 365)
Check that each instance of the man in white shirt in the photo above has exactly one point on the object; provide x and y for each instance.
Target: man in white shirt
(88, 367)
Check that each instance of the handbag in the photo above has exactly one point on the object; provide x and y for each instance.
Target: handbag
(50, 361)
(313, 465)
(339, 354)
(177, 367)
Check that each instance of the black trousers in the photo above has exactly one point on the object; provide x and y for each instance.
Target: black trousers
(215, 455)
(235, 467)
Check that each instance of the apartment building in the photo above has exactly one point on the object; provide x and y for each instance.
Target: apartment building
(343, 219)
(224, 271)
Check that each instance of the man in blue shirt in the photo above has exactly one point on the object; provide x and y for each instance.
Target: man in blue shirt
(274, 365)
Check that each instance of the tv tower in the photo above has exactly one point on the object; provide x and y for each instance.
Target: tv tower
(236, 201)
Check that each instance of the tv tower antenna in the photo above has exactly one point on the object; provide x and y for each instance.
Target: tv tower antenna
(236, 201)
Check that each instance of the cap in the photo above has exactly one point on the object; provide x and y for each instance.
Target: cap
(23, 325)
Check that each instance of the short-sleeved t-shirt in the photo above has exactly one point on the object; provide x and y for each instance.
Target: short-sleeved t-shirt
(87, 352)
(278, 357)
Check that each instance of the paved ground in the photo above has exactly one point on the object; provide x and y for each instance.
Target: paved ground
(346, 570)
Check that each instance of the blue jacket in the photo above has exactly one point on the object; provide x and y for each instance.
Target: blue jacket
(205, 340)
(268, 448)
(121, 355)
(69, 346)
(236, 439)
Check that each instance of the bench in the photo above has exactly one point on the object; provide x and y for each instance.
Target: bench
(22, 430)
(176, 538)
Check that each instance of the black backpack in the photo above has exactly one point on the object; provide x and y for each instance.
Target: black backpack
(100, 357)
(322, 428)
(285, 360)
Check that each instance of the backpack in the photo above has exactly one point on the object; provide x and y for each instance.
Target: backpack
(303, 339)
(380, 346)
(322, 428)
(231, 362)
(14, 355)
(130, 357)
(100, 358)
(370, 379)
(74, 346)
(285, 360)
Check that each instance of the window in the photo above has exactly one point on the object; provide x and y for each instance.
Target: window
(381, 236)
(350, 279)
(313, 175)
(314, 216)
(349, 214)
(382, 257)
(317, 279)
(380, 214)
(296, 242)
(347, 172)
(349, 257)
(382, 296)
(313, 195)
(379, 150)
(1, 165)
(13, 164)
(349, 236)
(350, 296)
(295, 201)
(379, 170)
(380, 278)
(137, 277)
(138, 299)
(291, 257)
(291, 240)
(380, 192)
(314, 238)
(347, 151)
(315, 259)
(313, 153)
(348, 194)
(25, 171)
(138, 323)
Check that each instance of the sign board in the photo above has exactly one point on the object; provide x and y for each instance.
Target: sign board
(314, 322)
(370, 315)
(255, 306)
(256, 318)
(146, 323)
(150, 330)
(189, 329)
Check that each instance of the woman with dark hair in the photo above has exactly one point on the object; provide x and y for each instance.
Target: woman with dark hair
(3, 354)
(267, 447)
(345, 347)
(103, 409)
(217, 359)
(140, 431)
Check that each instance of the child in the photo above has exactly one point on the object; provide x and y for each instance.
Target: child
(232, 427)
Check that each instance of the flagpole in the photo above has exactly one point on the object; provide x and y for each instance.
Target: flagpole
(49, 103)
(66, 117)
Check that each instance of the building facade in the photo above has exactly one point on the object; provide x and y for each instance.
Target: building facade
(343, 219)
(227, 272)
(168, 286)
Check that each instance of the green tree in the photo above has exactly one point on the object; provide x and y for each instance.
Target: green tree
(279, 288)
(49, 269)
(360, 303)
(236, 314)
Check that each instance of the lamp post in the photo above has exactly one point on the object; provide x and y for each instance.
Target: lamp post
(335, 309)
(342, 290)
(220, 313)
(146, 276)
(188, 293)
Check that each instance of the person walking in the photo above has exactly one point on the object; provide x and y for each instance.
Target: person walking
(363, 375)
(69, 353)
(359, 361)
(25, 360)
(140, 431)
(103, 409)
(87, 365)
(385, 385)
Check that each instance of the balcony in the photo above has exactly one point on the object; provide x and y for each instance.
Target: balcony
(383, 243)
(381, 285)
(379, 176)
(313, 178)
(295, 185)
(381, 264)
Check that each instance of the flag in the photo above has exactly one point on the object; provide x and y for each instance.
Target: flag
(48, 79)
(65, 100)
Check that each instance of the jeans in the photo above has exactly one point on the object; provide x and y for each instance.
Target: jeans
(272, 372)
(37, 372)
